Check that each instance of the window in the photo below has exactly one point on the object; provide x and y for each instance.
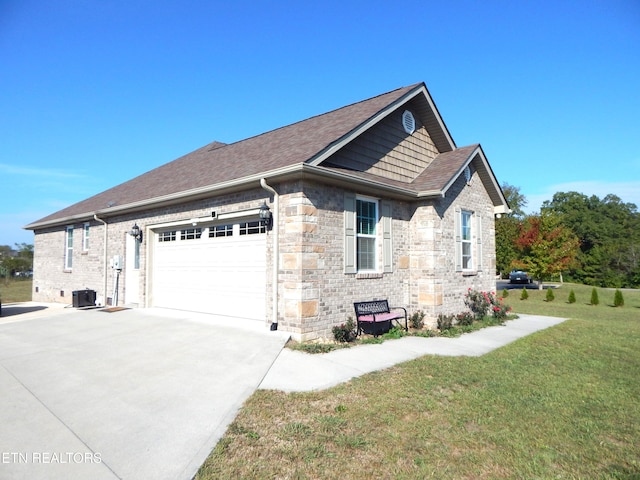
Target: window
(68, 251)
(85, 237)
(167, 236)
(468, 225)
(364, 244)
(190, 233)
(366, 222)
(465, 224)
(251, 228)
(220, 231)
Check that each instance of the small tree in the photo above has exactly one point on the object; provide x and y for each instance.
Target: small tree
(545, 246)
(505, 293)
(524, 295)
(594, 297)
(618, 300)
(550, 297)
(572, 296)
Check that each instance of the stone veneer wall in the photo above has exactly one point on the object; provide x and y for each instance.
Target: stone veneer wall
(314, 292)
(436, 287)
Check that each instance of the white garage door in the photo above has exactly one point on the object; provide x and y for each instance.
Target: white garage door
(219, 269)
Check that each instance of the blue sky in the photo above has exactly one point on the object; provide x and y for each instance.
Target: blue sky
(95, 92)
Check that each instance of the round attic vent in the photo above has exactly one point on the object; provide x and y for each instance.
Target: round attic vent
(408, 122)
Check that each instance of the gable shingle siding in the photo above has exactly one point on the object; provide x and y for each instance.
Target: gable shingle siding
(386, 150)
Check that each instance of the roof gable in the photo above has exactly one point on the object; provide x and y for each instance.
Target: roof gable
(216, 163)
(387, 150)
(302, 145)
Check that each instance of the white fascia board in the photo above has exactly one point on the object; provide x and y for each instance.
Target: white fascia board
(363, 127)
(155, 202)
(461, 169)
(485, 164)
(337, 145)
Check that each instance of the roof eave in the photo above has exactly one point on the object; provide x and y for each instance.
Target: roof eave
(165, 200)
(487, 176)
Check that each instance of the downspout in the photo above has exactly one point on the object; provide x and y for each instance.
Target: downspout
(276, 253)
(104, 242)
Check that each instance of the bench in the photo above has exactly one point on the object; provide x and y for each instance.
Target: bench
(375, 317)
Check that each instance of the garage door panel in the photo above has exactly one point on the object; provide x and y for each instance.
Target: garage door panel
(224, 275)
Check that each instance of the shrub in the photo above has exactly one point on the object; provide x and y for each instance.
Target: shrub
(618, 299)
(416, 320)
(550, 297)
(345, 332)
(505, 293)
(594, 297)
(572, 296)
(500, 310)
(524, 295)
(478, 302)
(445, 322)
(464, 318)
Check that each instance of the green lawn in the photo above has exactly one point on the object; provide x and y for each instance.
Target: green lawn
(559, 404)
(15, 290)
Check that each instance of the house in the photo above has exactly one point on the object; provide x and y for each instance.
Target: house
(370, 201)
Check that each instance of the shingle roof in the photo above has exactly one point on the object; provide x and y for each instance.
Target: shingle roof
(304, 143)
(443, 168)
(216, 163)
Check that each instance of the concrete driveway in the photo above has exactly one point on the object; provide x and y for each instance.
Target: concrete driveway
(140, 393)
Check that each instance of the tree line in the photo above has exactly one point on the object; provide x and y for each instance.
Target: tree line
(579, 238)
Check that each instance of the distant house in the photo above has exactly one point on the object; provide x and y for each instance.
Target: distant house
(370, 201)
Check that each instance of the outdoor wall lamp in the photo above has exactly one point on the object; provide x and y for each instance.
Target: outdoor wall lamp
(136, 232)
(265, 216)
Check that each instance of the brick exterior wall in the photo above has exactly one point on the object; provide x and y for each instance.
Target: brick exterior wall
(314, 293)
(436, 286)
(52, 283)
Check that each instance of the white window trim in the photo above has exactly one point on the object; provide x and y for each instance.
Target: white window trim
(373, 236)
(383, 236)
(475, 241)
(68, 248)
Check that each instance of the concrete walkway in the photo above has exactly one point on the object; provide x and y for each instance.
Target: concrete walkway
(295, 371)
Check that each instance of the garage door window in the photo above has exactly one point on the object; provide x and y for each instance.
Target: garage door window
(190, 234)
(167, 236)
(221, 231)
(251, 228)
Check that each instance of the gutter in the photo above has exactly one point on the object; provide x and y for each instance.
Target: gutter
(203, 192)
(276, 253)
(104, 242)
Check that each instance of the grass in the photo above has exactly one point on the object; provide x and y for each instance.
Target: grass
(15, 290)
(559, 404)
